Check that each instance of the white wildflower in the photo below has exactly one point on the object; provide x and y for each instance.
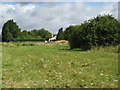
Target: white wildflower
(46, 80)
(83, 80)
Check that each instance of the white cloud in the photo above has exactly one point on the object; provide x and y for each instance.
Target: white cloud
(53, 16)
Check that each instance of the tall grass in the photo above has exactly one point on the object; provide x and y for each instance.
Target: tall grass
(114, 49)
(50, 65)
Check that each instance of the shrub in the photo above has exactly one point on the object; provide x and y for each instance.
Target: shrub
(10, 30)
(60, 35)
(100, 31)
(68, 31)
(29, 39)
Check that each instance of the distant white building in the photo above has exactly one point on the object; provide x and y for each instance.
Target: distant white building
(53, 38)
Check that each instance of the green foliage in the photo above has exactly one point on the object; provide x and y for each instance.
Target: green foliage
(68, 31)
(32, 33)
(60, 35)
(14, 29)
(109, 49)
(44, 34)
(10, 31)
(30, 39)
(6, 35)
(99, 31)
(38, 35)
(25, 34)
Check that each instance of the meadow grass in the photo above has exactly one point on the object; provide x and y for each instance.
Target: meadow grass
(53, 65)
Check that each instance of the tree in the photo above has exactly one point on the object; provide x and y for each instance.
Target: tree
(99, 31)
(32, 33)
(60, 35)
(10, 31)
(24, 34)
(68, 31)
(43, 34)
(6, 35)
(14, 29)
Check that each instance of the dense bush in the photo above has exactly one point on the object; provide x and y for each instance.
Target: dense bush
(30, 39)
(36, 34)
(10, 30)
(60, 35)
(43, 34)
(25, 34)
(99, 31)
(68, 31)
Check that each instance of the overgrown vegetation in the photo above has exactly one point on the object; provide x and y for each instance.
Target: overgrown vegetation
(29, 39)
(60, 35)
(99, 31)
(12, 32)
(51, 65)
(90, 60)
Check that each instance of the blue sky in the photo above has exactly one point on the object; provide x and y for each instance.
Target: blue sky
(98, 4)
(54, 15)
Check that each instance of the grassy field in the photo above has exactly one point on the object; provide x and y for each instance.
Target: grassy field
(52, 65)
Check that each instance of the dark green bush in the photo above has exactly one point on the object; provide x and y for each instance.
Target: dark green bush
(10, 30)
(100, 31)
(68, 31)
(30, 39)
(60, 35)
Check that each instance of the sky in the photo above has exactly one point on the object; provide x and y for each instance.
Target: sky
(54, 15)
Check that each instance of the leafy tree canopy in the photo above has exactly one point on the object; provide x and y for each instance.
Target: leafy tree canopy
(10, 31)
(99, 31)
(60, 35)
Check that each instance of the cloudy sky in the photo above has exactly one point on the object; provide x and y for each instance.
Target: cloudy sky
(54, 15)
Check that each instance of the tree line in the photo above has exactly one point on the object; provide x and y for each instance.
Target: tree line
(12, 32)
(98, 31)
